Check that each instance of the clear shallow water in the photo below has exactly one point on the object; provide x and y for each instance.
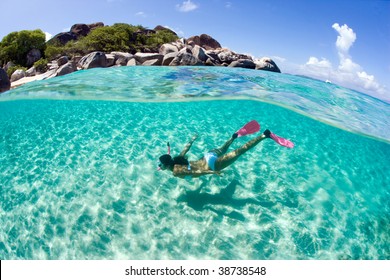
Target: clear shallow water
(79, 180)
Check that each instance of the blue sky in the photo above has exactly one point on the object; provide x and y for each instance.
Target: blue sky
(344, 41)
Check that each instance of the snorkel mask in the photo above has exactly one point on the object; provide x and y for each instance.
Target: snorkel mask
(165, 159)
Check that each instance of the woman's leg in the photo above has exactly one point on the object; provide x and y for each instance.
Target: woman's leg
(222, 150)
(227, 159)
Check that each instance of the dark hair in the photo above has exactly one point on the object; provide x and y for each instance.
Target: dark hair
(167, 160)
(180, 160)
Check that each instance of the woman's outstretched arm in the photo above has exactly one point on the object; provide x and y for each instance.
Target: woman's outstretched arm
(188, 145)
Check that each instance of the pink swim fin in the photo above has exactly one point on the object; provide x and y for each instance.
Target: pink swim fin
(249, 128)
(281, 141)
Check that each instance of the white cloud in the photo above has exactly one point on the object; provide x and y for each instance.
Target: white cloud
(348, 66)
(323, 63)
(140, 14)
(187, 6)
(344, 42)
(48, 36)
(346, 37)
(347, 73)
(369, 81)
(228, 5)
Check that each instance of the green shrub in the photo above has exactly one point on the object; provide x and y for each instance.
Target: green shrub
(118, 37)
(54, 51)
(16, 45)
(123, 37)
(71, 49)
(161, 37)
(12, 69)
(41, 65)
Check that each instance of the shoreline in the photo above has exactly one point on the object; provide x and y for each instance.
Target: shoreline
(26, 80)
(178, 53)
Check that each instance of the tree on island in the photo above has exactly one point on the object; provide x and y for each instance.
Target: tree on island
(16, 47)
(120, 37)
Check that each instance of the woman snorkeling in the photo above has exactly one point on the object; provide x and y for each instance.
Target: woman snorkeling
(217, 159)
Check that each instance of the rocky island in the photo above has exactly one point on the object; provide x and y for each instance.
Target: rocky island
(94, 45)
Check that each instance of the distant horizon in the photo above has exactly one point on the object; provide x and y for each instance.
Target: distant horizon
(346, 42)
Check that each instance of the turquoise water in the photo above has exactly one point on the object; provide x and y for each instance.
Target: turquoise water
(79, 181)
